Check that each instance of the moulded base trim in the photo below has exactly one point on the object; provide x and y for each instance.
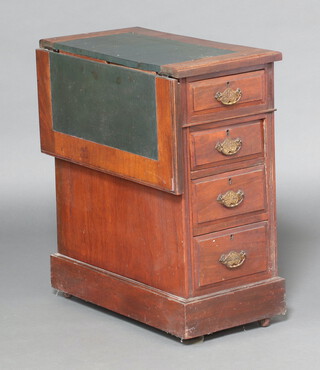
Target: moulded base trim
(181, 317)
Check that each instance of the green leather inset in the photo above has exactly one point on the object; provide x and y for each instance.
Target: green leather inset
(138, 51)
(103, 103)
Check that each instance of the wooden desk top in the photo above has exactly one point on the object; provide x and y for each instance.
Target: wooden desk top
(164, 53)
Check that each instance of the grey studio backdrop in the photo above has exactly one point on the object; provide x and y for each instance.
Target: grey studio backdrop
(42, 330)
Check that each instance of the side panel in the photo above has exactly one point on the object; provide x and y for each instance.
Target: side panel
(159, 168)
(123, 227)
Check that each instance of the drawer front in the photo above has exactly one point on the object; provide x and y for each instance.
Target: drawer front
(227, 143)
(227, 93)
(231, 254)
(228, 194)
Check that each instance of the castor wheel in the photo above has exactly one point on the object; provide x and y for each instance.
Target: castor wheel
(67, 295)
(264, 322)
(193, 340)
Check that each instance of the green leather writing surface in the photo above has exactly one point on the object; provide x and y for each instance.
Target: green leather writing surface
(103, 103)
(138, 51)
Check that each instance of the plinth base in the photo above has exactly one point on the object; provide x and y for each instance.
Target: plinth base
(184, 318)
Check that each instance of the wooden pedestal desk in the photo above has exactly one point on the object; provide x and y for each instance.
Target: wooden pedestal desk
(165, 180)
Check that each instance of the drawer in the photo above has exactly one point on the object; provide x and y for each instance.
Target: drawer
(228, 194)
(231, 254)
(227, 143)
(227, 93)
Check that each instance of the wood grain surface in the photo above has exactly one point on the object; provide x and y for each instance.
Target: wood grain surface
(142, 237)
(256, 84)
(243, 56)
(122, 227)
(162, 174)
(209, 248)
(203, 144)
(251, 84)
(206, 191)
(184, 318)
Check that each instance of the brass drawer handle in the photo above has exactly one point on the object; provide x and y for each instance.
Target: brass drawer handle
(233, 259)
(229, 96)
(229, 146)
(231, 198)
